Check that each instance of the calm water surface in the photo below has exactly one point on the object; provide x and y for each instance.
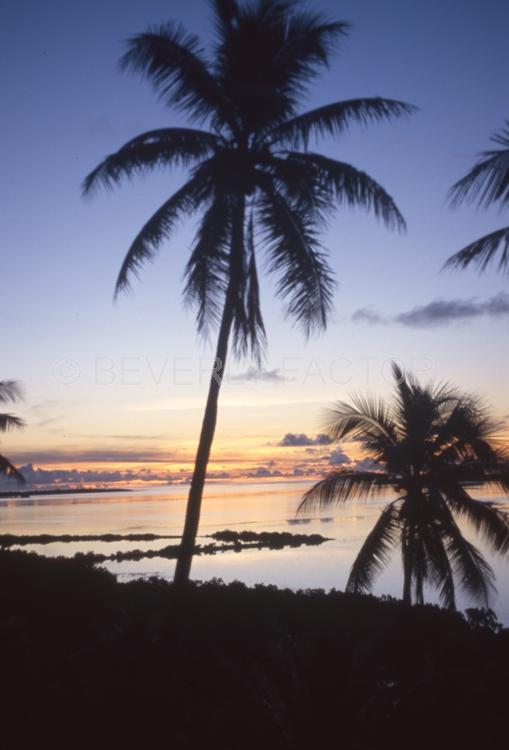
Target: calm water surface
(258, 507)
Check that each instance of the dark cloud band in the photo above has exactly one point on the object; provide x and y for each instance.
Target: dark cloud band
(439, 312)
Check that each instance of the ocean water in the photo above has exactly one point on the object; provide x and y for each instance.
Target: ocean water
(267, 506)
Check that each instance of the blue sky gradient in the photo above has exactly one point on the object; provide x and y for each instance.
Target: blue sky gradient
(67, 105)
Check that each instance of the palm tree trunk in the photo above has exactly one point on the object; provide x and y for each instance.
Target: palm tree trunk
(187, 544)
(407, 577)
(407, 592)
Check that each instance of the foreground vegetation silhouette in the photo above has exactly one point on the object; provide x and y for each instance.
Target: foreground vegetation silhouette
(88, 662)
(252, 178)
(427, 448)
(487, 183)
(10, 392)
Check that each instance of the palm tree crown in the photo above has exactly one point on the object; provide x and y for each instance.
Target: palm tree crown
(428, 447)
(9, 392)
(252, 177)
(487, 183)
(256, 147)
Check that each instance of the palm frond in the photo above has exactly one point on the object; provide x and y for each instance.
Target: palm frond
(308, 44)
(450, 471)
(334, 119)
(484, 251)
(476, 576)
(340, 486)
(10, 471)
(440, 571)
(375, 552)
(295, 45)
(491, 523)
(10, 422)
(488, 181)
(249, 328)
(404, 387)
(466, 436)
(416, 407)
(300, 182)
(366, 417)
(159, 227)
(206, 271)
(306, 280)
(10, 390)
(421, 569)
(176, 64)
(468, 564)
(226, 12)
(497, 477)
(427, 520)
(344, 184)
(165, 147)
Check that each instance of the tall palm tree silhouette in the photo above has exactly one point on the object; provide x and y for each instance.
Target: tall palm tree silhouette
(252, 177)
(427, 448)
(9, 392)
(486, 183)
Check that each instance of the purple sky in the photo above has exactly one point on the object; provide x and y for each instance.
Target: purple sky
(66, 105)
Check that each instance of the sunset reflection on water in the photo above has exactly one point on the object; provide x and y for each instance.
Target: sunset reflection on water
(255, 506)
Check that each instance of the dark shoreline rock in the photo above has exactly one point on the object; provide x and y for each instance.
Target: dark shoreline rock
(11, 540)
(8, 494)
(234, 541)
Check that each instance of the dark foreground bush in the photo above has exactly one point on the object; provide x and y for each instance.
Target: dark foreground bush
(89, 663)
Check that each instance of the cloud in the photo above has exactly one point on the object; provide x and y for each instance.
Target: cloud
(140, 436)
(42, 406)
(261, 472)
(101, 455)
(337, 458)
(48, 421)
(42, 414)
(368, 316)
(44, 478)
(293, 440)
(254, 374)
(366, 464)
(497, 305)
(218, 475)
(440, 312)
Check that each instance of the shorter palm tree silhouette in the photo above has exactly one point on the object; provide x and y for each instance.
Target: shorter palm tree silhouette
(486, 183)
(428, 447)
(9, 392)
